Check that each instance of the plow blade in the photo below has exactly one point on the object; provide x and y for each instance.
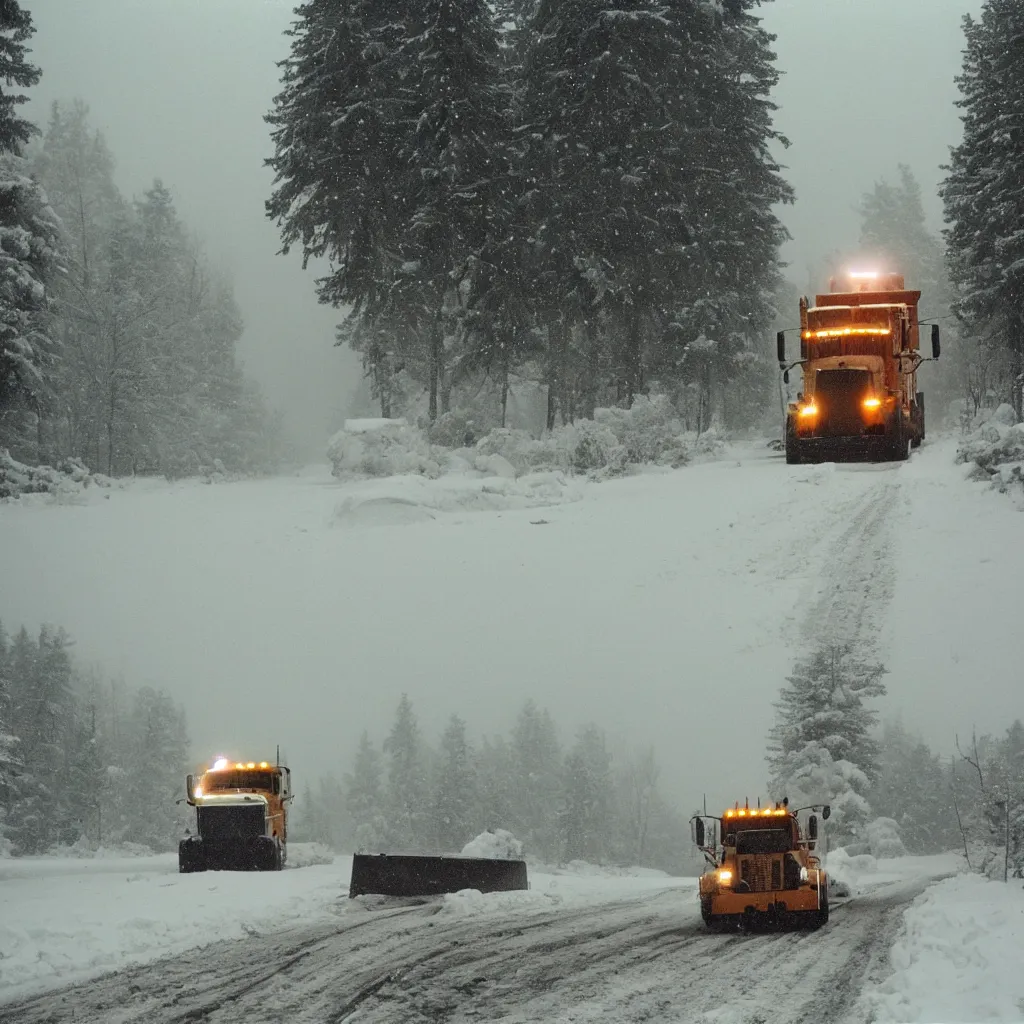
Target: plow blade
(404, 875)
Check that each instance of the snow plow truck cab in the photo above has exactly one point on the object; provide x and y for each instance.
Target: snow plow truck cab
(762, 867)
(859, 354)
(241, 817)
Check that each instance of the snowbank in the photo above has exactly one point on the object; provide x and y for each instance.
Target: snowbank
(863, 872)
(305, 855)
(64, 483)
(496, 844)
(411, 499)
(958, 959)
(649, 433)
(995, 449)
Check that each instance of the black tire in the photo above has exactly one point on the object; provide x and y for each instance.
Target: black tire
(899, 447)
(819, 917)
(705, 910)
(792, 445)
(190, 857)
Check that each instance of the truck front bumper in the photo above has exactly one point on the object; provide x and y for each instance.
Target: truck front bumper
(859, 448)
(726, 903)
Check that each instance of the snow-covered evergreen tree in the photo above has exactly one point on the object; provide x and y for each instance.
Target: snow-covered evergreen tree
(586, 812)
(494, 769)
(455, 799)
(535, 783)
(407, 781)
(364, 797)
(157, 769)
(30, 245)
(984, 195)
(913, 788)
(821, 749)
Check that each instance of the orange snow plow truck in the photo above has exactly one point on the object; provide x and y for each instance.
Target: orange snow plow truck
(241, 817)
(762, 866)
(859, 352)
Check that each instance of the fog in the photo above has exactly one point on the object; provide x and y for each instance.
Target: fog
(180, 90)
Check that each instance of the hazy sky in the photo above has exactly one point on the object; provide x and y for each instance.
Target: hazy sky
(180, 87)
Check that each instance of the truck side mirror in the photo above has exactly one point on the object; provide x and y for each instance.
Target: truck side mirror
(936, 342)
(780, 341)
(190, 789)
(826, 812)
(698, 832)
(812, 827)
(785, 377)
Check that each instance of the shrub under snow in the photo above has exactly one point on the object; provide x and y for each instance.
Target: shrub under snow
(883, 835)
(996, 448)
(67, 478)
(494, 844)
(382, 448)
(648, 433)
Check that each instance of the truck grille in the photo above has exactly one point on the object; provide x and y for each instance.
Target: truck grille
(762, 874)
(240, 821)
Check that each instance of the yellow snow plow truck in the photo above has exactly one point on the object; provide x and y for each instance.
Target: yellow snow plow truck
(241, 817)
(762, 867)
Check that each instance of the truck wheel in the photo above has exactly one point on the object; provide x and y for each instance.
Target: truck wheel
(820, 916)
(792, 446)
(190, 857)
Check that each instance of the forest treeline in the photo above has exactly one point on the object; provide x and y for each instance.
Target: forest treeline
(583, 196)
(84, 760)
(117, 335)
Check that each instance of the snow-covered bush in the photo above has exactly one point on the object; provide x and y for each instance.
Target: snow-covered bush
(304, 855)
(649, 431)
(996, 448)
(382, 448)
(494, 844)
(525, 453)
(68, 478)
(591, 447)
(456, 429)
(883, 836)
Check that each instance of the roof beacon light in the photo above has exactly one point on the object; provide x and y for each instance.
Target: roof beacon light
(220, 764)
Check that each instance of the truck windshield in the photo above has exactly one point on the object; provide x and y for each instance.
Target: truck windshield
(764, 840)
(238, 780)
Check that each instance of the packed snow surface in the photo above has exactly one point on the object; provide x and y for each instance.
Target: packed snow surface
(65, 919)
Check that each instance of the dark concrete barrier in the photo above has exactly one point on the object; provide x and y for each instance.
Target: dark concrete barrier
(385, 874)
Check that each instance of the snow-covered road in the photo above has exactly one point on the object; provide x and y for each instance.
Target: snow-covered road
(518, 957)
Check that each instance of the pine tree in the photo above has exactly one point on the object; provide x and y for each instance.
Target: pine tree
(535, 782)
(407, 790)
(364, 798)
(984, 194)
(455, 798)
(494, 770)
(157, 769)
(30, 239)
(585, 819)
(821, 749)
(912, 788)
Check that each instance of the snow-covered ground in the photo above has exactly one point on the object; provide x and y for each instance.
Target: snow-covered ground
(66, 919)
(614, 599)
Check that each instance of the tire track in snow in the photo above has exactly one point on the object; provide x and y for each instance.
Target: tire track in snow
(857, 576)
(621, 963)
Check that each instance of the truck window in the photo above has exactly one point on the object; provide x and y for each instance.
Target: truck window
(238, 780)
(764, 840)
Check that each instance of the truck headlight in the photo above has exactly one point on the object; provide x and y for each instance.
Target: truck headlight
(724, 877)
